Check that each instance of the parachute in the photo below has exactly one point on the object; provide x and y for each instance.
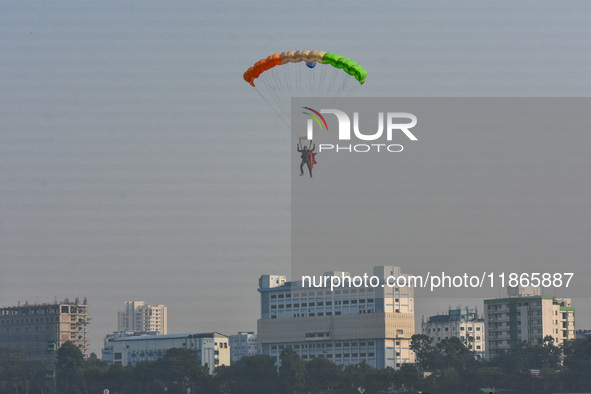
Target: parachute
(281, 76)
(310, 57)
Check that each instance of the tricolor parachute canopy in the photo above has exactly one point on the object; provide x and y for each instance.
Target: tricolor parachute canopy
(309, 57)
(282, 76)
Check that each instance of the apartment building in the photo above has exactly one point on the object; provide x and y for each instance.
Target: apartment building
(243, 344)
(139, 317)
(462, 323)
(525, 315)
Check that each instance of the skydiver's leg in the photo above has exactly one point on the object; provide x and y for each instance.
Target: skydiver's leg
(302, 168)
(309, 169)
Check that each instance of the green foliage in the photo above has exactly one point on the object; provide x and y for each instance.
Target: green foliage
(180, 369)
(452, 368)
(292, 372)
(249, 375)
(577, 365)
(70, 376)
(323, 375)
(17, 375)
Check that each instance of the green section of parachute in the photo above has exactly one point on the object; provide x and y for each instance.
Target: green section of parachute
(348, 65)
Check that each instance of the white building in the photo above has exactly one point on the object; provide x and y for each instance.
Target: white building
(464, 324)
(212, 348)
(107, 351)
(346, 325)
(139, 317)
(243, 344)
(527, 316)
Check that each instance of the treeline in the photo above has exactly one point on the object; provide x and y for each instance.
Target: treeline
(452, 368)
(447, 367)
(179, 371)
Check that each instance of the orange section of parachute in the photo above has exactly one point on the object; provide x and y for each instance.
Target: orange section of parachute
(261, 66)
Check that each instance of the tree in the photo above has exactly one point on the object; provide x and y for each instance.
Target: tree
(323, 375)
(425, 352)
(249, 375)
(17, 375)
(70, 362)
(407, 375)
(180, 369)
(454, 354)
(490, 376)
(292, 372)
(116, 378)
(577, 364)
(94, 372)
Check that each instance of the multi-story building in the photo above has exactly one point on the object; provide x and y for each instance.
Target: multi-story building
(139, 317)
(35, 328)
(212, 348)
(462, 323)
(525, 315)
(346, 325)
(243, 344)
(107, 351)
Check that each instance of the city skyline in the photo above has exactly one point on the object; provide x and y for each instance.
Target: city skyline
(295, 315)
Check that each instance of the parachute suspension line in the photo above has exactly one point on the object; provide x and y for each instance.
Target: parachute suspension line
(344, 87)
(282, 85)
(274, 84)
(339, 86)
(332, 81)
(268, 103)
(270, 93)
(278, 86)
(312, 78)
(298, 84)
(326, 82)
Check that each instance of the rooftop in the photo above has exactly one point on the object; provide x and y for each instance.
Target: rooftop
(171, 336)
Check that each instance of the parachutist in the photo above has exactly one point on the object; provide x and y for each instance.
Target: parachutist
(307, 158)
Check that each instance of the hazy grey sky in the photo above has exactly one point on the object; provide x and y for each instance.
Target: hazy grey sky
(136, 164)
